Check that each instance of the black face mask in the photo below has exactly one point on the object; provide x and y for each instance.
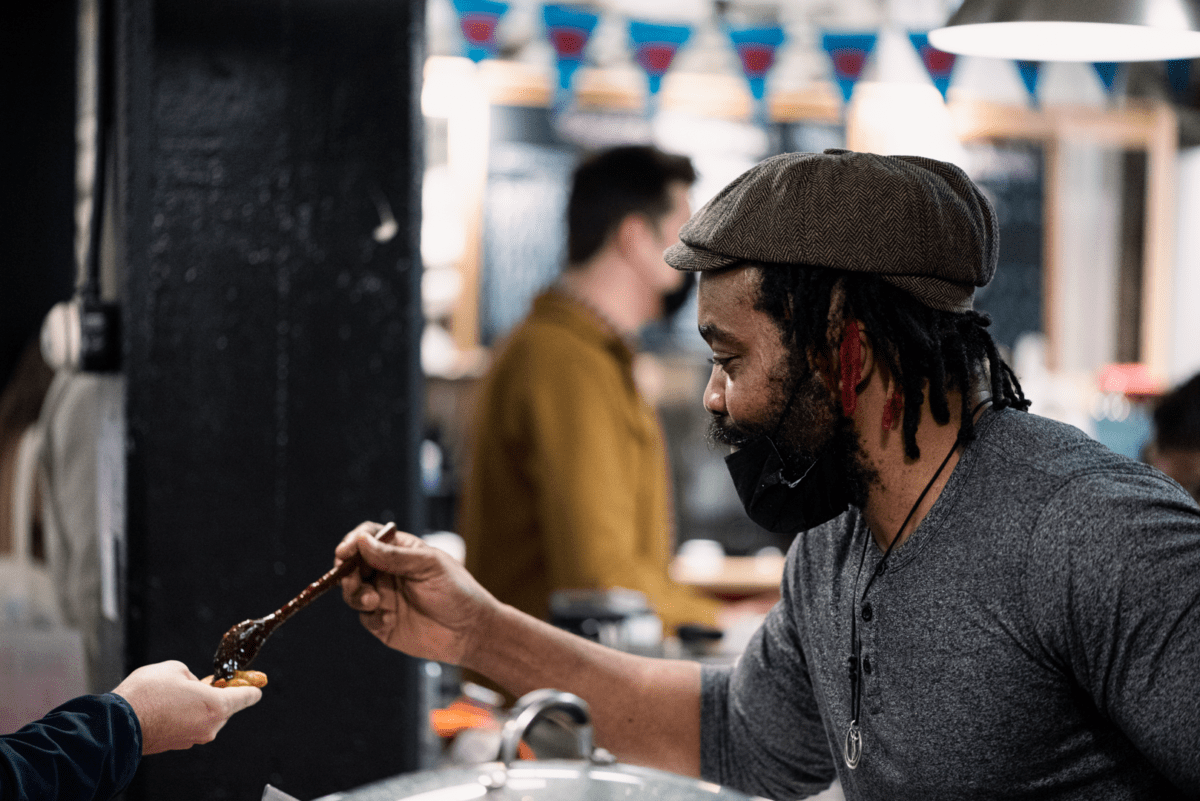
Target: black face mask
(778, 502)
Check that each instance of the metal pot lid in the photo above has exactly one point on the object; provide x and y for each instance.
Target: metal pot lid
(540, 780)
(596, 777)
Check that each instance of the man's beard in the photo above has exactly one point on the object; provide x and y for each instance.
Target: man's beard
(815, 428)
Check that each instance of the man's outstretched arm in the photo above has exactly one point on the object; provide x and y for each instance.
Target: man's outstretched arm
(421, 601)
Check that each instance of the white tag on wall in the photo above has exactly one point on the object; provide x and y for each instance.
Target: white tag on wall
(110, 492)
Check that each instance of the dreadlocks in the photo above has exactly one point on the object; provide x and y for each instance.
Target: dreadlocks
(920, 346)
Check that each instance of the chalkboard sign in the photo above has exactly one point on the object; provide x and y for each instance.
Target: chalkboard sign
(524, 241)
(1011, 174)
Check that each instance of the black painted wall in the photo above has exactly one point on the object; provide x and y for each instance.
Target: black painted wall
(271, 359)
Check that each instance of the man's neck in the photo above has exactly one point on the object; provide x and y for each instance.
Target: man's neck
(613, 289)
(902, 480)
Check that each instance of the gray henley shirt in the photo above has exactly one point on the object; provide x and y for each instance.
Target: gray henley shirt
(1036, 637)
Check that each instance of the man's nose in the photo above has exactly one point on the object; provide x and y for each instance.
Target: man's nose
(714, 395)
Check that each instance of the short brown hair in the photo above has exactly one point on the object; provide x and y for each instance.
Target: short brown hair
(1177, 417)
(612, 184)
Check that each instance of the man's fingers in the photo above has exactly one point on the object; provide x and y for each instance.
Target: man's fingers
(378, 623)
(348, 546)
(398, 554)
(359, 594)
(363, 541)
(363, 598)
(397, 557)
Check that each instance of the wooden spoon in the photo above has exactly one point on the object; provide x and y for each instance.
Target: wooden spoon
(240, 644)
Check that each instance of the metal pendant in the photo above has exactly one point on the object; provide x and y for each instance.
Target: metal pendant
(852, 748)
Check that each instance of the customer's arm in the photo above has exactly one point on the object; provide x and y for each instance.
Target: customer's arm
(90, 746)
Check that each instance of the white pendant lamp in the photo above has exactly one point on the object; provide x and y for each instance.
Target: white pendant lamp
(1073, 30)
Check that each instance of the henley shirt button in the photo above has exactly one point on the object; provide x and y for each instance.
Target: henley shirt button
(867, 665)
(867, 612)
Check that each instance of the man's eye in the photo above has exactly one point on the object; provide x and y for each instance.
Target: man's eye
(720, 361)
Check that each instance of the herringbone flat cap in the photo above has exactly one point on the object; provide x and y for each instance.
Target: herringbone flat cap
(918, 223)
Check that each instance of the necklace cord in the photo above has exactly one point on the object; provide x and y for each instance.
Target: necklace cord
(855, 659)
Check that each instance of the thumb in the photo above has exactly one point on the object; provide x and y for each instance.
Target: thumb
(238, 698)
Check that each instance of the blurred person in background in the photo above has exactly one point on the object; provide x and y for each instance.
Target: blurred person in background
(91, 746)
(568, 483)
(1175, 449)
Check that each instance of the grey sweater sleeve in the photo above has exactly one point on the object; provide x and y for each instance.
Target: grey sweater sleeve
(1114, 579)
(761, 729)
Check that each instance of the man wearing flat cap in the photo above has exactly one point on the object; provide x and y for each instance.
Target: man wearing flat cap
(978, 603)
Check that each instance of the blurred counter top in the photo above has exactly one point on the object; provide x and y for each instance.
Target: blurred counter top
(730, 577)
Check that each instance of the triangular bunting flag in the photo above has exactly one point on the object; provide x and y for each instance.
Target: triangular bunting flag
(938, 63)
(848, 53)
(478, 20)
(756, 49)
(568, 30)
(1107, 70)
(1179, 76)
(655, 47)
(1030, 71)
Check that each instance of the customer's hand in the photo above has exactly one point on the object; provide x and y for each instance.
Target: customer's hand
(176, 710)
(414, 597)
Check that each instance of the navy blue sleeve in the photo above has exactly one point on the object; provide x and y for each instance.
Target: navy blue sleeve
(88, 748)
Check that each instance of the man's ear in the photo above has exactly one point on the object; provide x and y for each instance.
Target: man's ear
(853, 361)
(633, 235)
(867, 349)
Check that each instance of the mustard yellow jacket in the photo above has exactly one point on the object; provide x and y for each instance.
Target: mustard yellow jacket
(568, 485)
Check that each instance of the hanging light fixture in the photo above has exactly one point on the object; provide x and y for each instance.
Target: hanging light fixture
(1073, 30)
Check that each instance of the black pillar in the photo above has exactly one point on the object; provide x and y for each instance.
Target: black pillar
(272, 329)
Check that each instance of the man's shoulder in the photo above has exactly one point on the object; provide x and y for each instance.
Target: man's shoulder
(1054, 471)
(1052, 450)
(543, 346)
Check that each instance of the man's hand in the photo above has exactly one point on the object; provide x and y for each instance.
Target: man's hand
(421, 601)
(414, 597)
(176, 710)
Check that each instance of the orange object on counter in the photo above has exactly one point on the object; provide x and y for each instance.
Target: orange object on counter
(464, 714)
